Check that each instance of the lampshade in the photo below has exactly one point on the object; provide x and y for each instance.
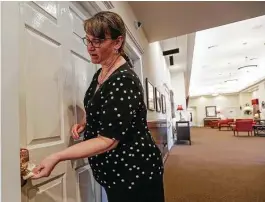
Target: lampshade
(255, 101)
(180, 108)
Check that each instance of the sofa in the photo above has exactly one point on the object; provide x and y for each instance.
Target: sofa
(226, 123)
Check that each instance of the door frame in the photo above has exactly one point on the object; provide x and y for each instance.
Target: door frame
(10, 134)
(194, 119)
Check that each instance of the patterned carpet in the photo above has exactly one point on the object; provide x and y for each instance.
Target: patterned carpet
(217, 167)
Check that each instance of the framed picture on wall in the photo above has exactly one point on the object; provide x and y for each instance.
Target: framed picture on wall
(172, 104)
(158, 100)
(150, 95)
(163, 99)
(211, 111)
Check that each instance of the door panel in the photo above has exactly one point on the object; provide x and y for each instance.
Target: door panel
(54, 75)
(43, 95)
(53, 191)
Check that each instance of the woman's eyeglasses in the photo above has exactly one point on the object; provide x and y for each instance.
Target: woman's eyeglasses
(94, 42)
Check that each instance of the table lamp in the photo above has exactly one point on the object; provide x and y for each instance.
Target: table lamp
(180, 108)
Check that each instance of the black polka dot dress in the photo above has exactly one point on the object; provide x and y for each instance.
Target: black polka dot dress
(133, 171)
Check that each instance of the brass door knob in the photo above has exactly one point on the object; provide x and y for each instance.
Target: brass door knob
(26, 167)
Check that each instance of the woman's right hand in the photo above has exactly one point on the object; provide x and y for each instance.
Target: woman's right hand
(76, 129)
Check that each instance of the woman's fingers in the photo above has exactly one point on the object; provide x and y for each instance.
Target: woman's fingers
(75, 134)
(38, 168)
(76, 129)
(38, 172)
(80, 129)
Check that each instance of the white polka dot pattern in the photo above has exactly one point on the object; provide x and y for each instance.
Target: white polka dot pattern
(117, 111)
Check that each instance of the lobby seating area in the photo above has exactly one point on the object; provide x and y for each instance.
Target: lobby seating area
(250, 126)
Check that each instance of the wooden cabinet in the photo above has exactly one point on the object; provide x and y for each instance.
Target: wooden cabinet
(158, 131)
(207, 121)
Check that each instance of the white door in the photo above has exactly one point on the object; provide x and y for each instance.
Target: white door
(170, 138)
(54, 74)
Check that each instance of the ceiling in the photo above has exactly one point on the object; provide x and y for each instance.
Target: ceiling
(165, 19)
(219, 52)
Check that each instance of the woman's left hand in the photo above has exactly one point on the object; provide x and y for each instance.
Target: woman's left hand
(45, 168)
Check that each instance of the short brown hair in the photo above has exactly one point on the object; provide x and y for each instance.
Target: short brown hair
(106, 22)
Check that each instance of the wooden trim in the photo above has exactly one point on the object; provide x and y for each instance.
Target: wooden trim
(158, 131)
(166, 156)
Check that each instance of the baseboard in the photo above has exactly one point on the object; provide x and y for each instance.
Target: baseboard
(165, 157)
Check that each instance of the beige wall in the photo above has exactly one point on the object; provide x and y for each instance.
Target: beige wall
(155, 69)
(178, 87)
(224, 103)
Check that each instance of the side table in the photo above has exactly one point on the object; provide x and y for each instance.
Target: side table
(259, 130)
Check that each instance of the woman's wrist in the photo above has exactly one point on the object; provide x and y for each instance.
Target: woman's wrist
(56, 157)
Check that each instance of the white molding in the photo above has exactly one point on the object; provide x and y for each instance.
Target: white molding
(10, 136)
(108, 5)
(137, 45)
(91, 7)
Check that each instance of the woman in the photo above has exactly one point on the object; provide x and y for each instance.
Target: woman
(122, 154)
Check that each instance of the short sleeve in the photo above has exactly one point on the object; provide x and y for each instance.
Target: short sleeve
(122, 99)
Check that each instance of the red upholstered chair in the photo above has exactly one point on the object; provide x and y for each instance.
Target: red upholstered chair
(243, 126)
(225, 123)
(247, 120)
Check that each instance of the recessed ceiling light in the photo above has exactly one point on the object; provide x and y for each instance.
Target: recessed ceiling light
(231, 80)
(213, 46)
(246, 66)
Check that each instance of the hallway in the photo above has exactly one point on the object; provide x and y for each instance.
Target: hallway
(217, 167)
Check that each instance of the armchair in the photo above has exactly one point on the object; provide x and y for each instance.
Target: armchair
(243, 126)
(225, 123)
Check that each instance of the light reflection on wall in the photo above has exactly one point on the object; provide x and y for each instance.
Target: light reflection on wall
(37, 20)
(49, 7)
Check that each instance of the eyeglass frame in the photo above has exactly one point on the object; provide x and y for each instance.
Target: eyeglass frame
(86, 41)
